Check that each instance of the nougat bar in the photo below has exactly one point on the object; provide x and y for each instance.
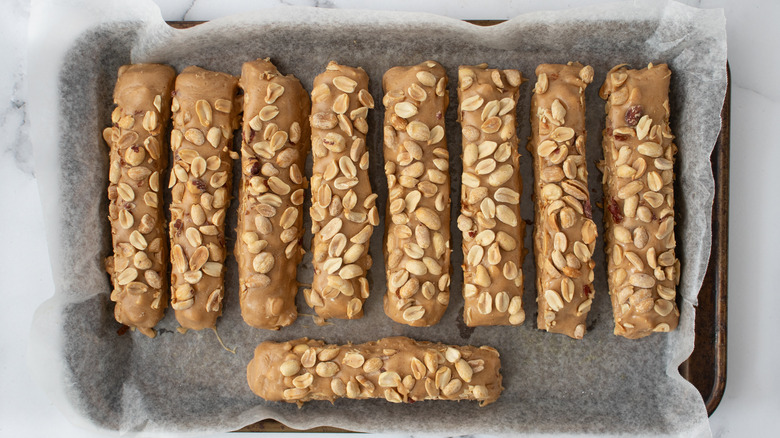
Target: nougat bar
(275, 143)
(643, 271)
(139, 266)
(205, 110)
(417, 234)
(343, 211)
(564, 231)
(397, 369)
(490, 219)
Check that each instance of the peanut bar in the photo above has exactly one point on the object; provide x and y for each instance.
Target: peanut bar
(343, 210)
(138, 156)
(275, 143)
(205, 113)
(564, 231)
(398, 369)
(490, 219)
(417, 236)
(643, 271)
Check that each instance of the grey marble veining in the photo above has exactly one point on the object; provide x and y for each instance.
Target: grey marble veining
(204, 9)
(187, 11)
(14, 139)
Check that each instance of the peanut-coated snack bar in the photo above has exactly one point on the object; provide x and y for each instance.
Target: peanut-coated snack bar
(398, 369)
(138, 156)
(275, 144)
(343, 211)
(417, 235)
(564, 231)
(205, 113)
(643, 271)
(490, 197)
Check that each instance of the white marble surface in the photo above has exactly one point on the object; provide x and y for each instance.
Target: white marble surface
(752, 400)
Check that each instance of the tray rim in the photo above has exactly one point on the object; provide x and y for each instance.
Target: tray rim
(717, 270)
(718, 259)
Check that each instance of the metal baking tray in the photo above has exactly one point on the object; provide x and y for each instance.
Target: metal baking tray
(706, 366)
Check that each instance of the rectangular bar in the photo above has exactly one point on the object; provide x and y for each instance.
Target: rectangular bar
(139, 267)
(643, 271)
(417, 235)
(270, 212)
(490, 221)
(205, 113)
(398, 369)
(343, 210)
(564, 232)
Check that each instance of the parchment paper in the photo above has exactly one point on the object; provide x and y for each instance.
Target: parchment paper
(174, 383)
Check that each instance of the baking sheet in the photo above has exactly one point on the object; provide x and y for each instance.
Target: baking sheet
(602, 384)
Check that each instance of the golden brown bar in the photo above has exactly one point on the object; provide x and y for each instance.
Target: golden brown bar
(417, 235)
(138, 156)
(343, 210)
(564, 232)
(490, 219)
(205, 113)
(275, 143)
(643, 271)
(397, 369)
